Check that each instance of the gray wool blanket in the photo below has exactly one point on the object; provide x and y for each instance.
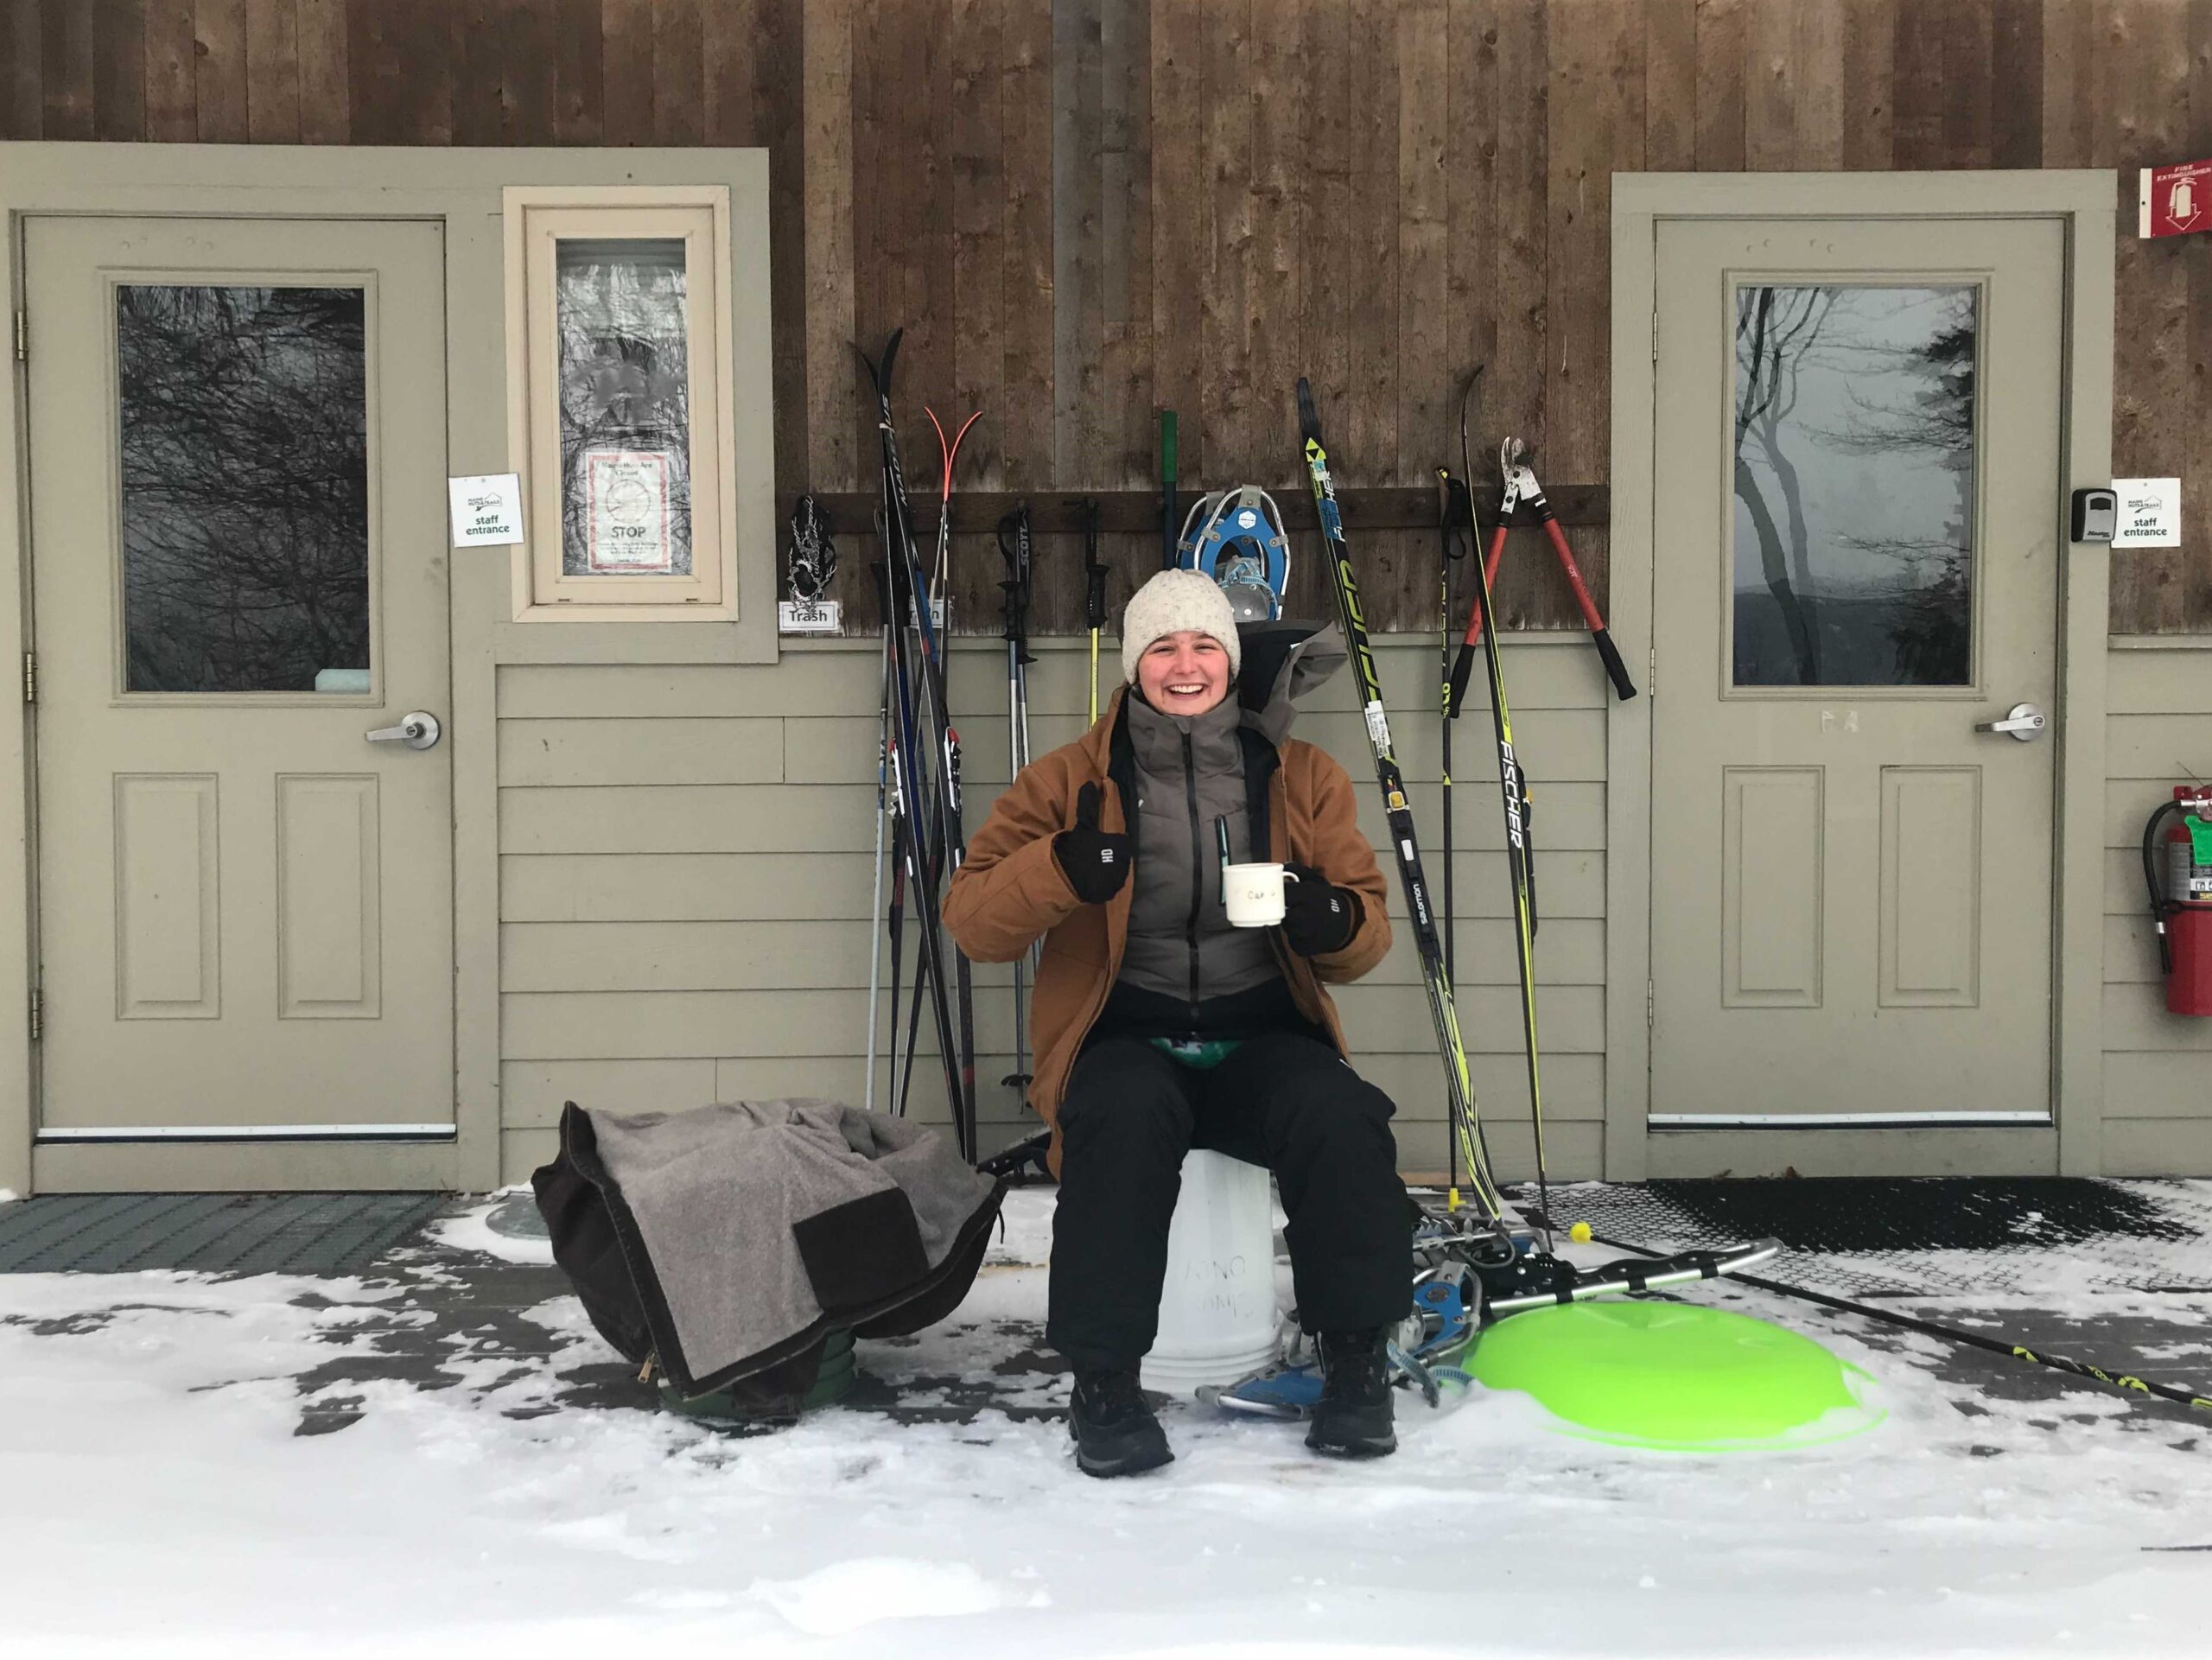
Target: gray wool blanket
(764, 1224)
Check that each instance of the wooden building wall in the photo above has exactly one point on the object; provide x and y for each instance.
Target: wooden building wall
(1084, 209)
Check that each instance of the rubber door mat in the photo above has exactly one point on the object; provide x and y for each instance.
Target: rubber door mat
(321, 1234)
(1879, 1235)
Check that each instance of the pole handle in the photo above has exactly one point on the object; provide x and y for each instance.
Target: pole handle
(1616, 671)
(1463, 674)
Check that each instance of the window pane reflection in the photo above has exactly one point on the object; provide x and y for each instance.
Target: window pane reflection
(245, 462)
(1853, 556)
(626, 418)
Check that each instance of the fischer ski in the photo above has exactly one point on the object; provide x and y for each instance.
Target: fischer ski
(1520, 853)
(1458, 1087)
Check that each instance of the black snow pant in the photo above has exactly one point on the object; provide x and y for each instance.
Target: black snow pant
(1283, 1100)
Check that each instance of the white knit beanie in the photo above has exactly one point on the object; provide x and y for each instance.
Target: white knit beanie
(1172, 602)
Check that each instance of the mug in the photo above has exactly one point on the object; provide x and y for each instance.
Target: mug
(1252, 895)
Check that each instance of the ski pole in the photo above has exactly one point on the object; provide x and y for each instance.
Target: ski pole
(1954, 1334)
(1094, 589)
(1013, 547)
(1167, 503)
(1450, 550)
(875, 906)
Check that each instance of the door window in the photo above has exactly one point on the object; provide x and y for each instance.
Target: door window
(244, 455)
(1855, 452)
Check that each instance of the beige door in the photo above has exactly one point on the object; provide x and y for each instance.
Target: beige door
(238, 555)
(1856, 530)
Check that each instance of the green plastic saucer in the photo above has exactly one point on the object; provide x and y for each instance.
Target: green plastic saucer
(1675, 1376)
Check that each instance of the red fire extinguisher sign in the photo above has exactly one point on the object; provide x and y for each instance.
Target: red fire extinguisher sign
(2173, 201)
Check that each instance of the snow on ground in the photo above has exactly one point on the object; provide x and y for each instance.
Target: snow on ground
(155, 1500)
(471, 1230)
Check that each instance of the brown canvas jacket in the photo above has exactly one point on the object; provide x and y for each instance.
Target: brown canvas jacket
(1011, 890)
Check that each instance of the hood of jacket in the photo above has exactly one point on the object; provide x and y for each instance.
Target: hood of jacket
(1283, 661)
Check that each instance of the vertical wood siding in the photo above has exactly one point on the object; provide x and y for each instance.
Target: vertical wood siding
(1082, 209)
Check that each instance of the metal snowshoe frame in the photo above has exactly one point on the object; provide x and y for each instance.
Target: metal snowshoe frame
(1242, 558)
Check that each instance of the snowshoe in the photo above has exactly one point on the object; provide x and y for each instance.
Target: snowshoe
(1236, 536)
(1447, 1303)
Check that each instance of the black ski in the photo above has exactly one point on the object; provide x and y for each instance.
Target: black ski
(1458, 1087)
(929, 808)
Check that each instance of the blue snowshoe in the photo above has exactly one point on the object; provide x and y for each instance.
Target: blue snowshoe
(1236, 536)
(1448, 1308)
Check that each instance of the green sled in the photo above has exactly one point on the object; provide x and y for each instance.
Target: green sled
(1677, 1378)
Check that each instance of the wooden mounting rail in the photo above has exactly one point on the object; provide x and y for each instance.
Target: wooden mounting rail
(1392, 507)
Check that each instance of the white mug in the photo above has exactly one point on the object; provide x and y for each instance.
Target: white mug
(1252, 895)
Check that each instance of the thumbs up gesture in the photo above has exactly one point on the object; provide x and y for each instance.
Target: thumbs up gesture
(1095, 861)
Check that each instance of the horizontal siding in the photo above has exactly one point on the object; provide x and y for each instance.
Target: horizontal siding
(1572, 1152)
(2159, 682)
(686, 887)
(2158, 1066)
(687, 905)
(2170, 1146)
(1573, 1085)
(739, 887)
(832, 1021)
(814, 679)
(757, 956)
(832, 819)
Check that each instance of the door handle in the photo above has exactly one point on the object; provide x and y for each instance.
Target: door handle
(418, 729)
(2025, 723)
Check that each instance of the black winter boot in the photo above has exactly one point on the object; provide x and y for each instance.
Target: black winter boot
(1115, 1431)
(1353, 1418)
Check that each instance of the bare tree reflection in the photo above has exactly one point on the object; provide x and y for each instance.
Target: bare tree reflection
(243, 452)
(1896, 386)
(1776, 330)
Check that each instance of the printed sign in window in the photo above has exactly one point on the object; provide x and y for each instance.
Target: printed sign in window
(627, 512)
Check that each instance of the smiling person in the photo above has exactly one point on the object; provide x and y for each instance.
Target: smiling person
(1159, 1027)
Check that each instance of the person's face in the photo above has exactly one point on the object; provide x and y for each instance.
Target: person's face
(1184, 673)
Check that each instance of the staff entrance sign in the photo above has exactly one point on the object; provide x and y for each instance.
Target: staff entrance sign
(2173, 201)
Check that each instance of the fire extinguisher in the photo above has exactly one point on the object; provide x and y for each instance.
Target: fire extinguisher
(2181, 904)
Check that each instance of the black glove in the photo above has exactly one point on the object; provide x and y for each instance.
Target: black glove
(1097, 861)
(1317, 915)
